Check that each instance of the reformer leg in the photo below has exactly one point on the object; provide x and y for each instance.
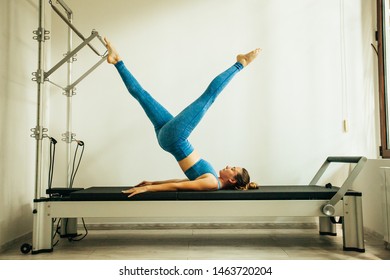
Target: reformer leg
(353, 233)
(327, 227)
(42, 241)
(68, 227)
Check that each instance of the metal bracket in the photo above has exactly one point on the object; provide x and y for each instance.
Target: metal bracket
(71, 59)
(40, 34)
(39, 76)
(68, 137)
(69, 92)
(39, 132)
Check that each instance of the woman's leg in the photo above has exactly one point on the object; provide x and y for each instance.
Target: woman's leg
(173, 135)
(157, 114)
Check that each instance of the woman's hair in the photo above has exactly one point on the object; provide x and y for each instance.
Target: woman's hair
(243, 182)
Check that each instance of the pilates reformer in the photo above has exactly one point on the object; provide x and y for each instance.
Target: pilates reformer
(70, 203)
(326, 202)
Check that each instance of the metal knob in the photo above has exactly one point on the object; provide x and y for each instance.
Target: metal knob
(328, 210)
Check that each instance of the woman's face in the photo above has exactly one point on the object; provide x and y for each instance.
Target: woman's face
(229, 173)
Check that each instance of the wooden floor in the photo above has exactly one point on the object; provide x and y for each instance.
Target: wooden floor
(206, 244)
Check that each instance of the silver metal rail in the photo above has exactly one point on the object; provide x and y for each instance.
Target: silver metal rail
(329, 208)
(39, 130)
(69, 102)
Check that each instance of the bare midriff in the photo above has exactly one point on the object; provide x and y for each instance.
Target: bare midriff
(189, 161)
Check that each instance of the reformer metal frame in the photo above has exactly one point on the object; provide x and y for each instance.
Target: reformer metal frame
(349, 207)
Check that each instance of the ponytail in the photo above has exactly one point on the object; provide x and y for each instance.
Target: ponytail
(249, 186)
(243, 181)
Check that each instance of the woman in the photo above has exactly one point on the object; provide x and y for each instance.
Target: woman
(172, 132)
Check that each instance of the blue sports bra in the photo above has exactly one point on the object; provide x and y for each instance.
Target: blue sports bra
(200, 168)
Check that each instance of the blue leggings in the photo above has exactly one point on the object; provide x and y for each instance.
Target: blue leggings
(173, 132)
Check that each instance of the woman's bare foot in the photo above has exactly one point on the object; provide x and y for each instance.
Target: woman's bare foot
(113, 56)
(245, 59)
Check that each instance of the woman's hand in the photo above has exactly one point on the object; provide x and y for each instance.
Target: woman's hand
(144, 183)
(139, 188)
(136, 190)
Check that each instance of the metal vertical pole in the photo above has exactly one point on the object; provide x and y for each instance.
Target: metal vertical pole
(39, 130)
(69, 225)
(69, 95)
(42, 224)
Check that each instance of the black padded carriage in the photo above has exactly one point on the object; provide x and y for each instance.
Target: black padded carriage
(303, 192)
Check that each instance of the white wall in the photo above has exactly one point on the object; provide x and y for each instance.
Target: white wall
(280, 117)
(18, 115)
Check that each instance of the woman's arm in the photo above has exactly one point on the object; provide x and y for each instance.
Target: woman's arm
(206, 182)
(148, 183)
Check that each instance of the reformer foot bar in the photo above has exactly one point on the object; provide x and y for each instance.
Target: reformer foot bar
(70, 55)
(325, 202)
